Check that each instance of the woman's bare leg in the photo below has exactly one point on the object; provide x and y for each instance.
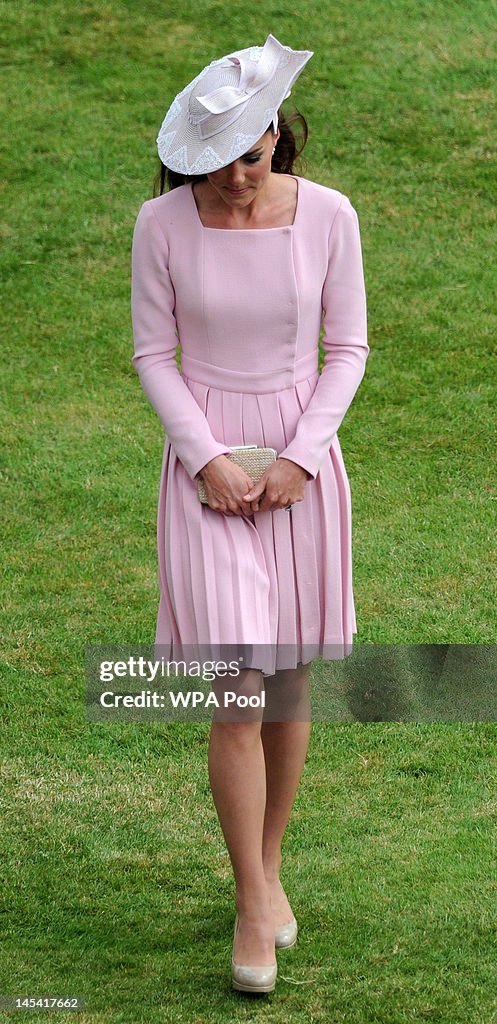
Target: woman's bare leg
(237, 775)
(285, 745)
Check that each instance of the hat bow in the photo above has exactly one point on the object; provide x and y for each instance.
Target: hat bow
(252, 80)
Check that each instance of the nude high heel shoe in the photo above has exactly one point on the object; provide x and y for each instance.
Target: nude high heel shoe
(285, 935)
(252, 979)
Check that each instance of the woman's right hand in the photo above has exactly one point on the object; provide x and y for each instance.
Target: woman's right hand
(225, 484)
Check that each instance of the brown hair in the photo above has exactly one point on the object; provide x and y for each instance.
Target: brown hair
(287, 151)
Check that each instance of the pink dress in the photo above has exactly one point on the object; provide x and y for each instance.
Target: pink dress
(247, 308)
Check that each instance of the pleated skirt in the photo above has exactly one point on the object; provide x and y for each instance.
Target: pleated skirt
(276, 584)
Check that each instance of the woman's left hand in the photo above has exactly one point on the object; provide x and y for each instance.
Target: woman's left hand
(282, 484)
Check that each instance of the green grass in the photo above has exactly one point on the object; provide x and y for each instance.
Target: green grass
(116, 881)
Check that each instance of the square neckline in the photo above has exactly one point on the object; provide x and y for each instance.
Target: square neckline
(283, 227)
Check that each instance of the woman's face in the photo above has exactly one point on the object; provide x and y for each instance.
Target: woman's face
(240, 182)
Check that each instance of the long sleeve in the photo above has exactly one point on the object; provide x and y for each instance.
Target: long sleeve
(155, 344)
(344, 343)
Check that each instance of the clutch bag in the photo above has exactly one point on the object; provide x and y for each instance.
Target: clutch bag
(251, 458)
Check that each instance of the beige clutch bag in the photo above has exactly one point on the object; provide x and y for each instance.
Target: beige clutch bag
(252, 459)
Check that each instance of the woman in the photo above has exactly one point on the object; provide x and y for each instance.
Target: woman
(239, 260)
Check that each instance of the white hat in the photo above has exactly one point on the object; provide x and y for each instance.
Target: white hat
(228, 107)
